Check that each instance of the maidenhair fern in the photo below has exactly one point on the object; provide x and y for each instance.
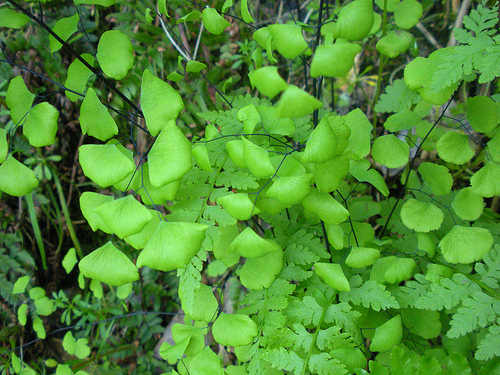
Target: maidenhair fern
(287, 198)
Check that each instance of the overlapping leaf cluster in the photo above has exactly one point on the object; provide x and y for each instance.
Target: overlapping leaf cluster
(274, 197)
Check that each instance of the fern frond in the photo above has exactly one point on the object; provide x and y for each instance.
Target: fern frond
(324, 364)
(275, 298)
(490, 269)
(332, 338)
(370, 295)
(397, 98)
(476, 312)
(284, 359)
(489, 347)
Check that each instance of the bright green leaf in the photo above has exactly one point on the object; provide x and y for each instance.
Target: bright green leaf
(139, 240)
(95, 119)
(213, 21)
(64, 28)
(12, 19)
(154, 92)
(326, 207)
(205, 363)
(295, 102)
(437, 177)
(354, 22)
(466, 244)
(19, 99)
(468, 205)
(421, 216)
(234, 330)
(321, 145)
(124, 216)
(387, 335)
(105, 164)
(329, 175)
(482, 113)
(400, 269)
(115, 54)
(109, 265)
(454, 148)
(78, 75)
(360, 170)
(267, 80)
(88, 202)
(290, 189)
(172, 246)
(333, 60)
(123, 291)
(257, 159)
(245, 14)
(40, 126)
(16, 179)
(424, 323)
(238, 206)
(394, 43)
(4, 146)
(486, 181)
(390, 151)
(361, 257)
(170, 157)
(195, 66)
(288, 40)
(156, 195)
(401, 121)
(332, 274)
(205, 304)
(359, 140)
(191, 16)
(267, 267)
(20, 285)
(70, 260)
(408, 13)
(39, 328)
(22, 314)
(249, 244)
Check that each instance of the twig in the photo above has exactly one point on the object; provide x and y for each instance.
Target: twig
(464, 8)
(430, 38)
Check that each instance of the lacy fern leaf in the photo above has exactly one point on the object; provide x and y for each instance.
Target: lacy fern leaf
(370, 295)
(476, 312)
(489, 347)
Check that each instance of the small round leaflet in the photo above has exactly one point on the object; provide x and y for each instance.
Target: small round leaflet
(288, 39)
(408, 13)
(483, 113)
(109, 265)
(332, 274)
(387, 335)
(234, 330)
(15, 178)
(466, 244)
(115, 54)
(172, 246)
(421, 216)
(394, 43)
(124, 216)
(468, 205)
(390, 151)
(239, 206)
(213, 21)
(454, 148)
(268, 81)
